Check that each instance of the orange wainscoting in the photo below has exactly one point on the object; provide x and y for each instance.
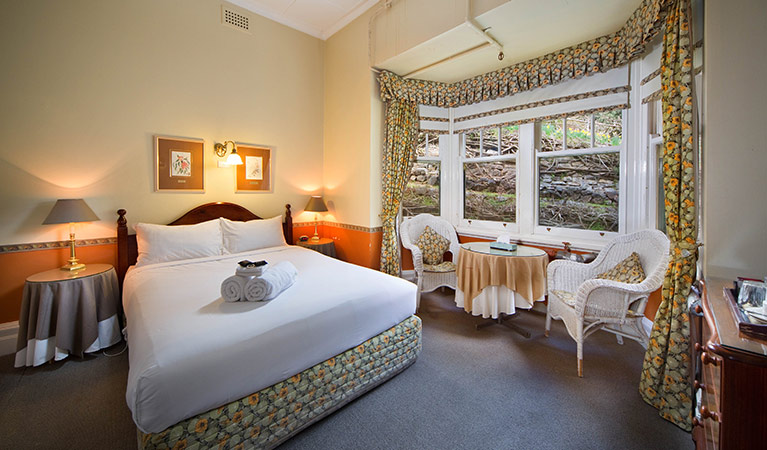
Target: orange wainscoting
(15, 267)
(355, 246)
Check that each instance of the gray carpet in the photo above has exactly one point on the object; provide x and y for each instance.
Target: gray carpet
(470, 388)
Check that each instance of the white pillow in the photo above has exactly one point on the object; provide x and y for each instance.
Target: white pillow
(162, 243)
(252, 235)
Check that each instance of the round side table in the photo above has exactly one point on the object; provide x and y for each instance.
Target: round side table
(65, 313)
(326, 246)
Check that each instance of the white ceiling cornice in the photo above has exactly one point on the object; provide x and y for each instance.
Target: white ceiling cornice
(348, 18)
(338, 14)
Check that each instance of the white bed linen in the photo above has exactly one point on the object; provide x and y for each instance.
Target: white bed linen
(191, 352)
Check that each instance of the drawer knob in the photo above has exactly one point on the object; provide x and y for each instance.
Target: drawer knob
(708, 360)
(696, 422)
(698, 385)
(698, 347)
(707, 414)
(698, 309)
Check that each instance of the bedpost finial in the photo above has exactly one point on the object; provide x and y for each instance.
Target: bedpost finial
(287, 206)
(121, 220)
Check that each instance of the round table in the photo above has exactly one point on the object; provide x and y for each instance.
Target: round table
(68, 312)
(326, 246)
(493, 282)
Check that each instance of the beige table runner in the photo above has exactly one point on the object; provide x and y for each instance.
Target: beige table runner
(525, 275)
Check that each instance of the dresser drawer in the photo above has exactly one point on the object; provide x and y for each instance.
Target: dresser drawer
(708, 413)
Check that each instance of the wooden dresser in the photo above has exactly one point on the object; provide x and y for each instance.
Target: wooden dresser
(730, 376)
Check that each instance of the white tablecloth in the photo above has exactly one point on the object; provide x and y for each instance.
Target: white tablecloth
(494, 301)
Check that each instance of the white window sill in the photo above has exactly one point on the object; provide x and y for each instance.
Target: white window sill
(577, 243)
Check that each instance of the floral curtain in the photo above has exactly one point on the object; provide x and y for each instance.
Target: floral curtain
(399, 152)
(594, 56)
(665, 376)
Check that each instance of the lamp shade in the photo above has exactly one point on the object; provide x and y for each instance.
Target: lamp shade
(234, 159)
(316, 204)
(70, 210)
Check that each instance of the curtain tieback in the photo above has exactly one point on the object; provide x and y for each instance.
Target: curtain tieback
(683, 249)
(388, 220)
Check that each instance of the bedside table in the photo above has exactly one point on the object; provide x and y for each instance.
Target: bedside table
(68, 313)
(326, 246)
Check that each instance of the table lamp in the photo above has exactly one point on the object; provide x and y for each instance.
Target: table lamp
(70, 211)
(316, 204)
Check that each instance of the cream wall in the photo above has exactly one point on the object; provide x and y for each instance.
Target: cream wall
(86, 84)
(735, 158)
(352, 128)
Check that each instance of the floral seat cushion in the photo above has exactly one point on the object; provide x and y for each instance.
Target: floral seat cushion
(627, 271)
(433, 246)
(569, 299)
(565, 296)
(446, 266)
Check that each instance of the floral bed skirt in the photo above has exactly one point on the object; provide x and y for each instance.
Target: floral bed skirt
(272, 415)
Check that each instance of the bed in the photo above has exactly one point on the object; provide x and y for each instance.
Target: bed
(207, 373)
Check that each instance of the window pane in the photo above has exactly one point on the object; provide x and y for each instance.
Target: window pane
(490, 191)
(551, 135)
(579, 191)
(490, 142)
(422, 192)
(471, 140)
(432, 145)
(509, 140)
(609, 128)
(420, 147)
(578, 132)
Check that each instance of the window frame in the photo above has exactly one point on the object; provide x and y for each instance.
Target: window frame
(484, 225)
(563, 232)
(430, 159)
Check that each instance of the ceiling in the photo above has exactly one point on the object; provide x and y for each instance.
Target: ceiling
(525, 28)
(318, 18)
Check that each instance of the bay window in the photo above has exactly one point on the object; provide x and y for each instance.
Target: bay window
(565, 163)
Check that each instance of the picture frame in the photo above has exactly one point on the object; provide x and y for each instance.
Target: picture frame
(179, 164)
(256, 172)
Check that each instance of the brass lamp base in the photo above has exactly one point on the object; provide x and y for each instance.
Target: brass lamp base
(74, 263)
(71, 267)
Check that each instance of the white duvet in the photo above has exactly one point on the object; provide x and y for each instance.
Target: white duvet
(191, 352)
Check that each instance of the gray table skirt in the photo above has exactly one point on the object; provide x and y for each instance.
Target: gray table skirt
(69, 317)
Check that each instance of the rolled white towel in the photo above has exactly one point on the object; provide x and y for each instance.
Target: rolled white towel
(233, 288)
(273, 281)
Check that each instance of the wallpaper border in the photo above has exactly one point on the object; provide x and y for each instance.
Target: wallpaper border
(33, 246)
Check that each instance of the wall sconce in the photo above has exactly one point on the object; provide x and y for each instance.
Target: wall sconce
(233, 159)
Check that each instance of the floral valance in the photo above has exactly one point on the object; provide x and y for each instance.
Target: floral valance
(594, 56)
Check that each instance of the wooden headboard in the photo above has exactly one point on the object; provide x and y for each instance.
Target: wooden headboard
(127, 250)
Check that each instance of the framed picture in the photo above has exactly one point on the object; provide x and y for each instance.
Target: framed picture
(178, 164)
(255, 174)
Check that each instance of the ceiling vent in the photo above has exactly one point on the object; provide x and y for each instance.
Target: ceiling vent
(235, 19)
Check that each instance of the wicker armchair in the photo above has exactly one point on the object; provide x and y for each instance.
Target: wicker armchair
(428, 277)
(587, 304)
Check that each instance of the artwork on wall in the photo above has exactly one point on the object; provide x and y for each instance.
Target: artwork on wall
(255, 175)
(178, 164)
